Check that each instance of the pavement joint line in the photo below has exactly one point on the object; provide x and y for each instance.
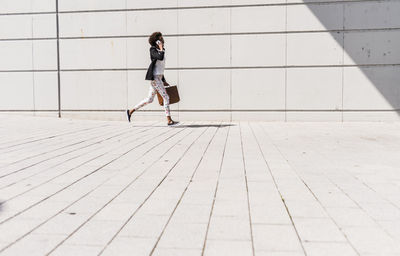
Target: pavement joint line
(21, 169)
(60, 163)
(361, 181)
(215, 192)
(47, 137)
(354, 201)
(97, 169)
(247, 190)
(295, 171)
(279, 191)
(100, 135)
(348, 196)
(346, 166)
(9, 245)
(50, 141)
(152, 192)
(184, 191)
(37, 132)
(75, 157)
(379, 194)
(132, 182)
(67, 171)
(330, 217)
(51, 151)
(16, 145)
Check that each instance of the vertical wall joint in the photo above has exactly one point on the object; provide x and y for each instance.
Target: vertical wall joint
(58, 61)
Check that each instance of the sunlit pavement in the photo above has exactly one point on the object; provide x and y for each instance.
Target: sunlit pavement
(75, 187)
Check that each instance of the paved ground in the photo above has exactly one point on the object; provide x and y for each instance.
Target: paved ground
(73, 187)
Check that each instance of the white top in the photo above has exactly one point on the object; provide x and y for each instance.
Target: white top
(159, 67)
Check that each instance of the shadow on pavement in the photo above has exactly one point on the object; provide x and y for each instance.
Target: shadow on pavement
(1, 206)
(202, 125)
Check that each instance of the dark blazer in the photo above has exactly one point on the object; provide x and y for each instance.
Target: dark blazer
(154, 56)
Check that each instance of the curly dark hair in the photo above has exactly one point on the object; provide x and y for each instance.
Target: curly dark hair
(154, 37)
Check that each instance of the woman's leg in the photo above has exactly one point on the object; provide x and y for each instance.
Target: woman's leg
(144, 102)
(159, 86)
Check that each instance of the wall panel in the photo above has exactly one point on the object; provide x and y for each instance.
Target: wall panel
(272, 60)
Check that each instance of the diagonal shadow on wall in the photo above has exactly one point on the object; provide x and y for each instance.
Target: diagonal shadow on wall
(369, 34)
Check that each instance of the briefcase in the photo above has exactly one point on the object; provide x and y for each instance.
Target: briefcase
(172, 91)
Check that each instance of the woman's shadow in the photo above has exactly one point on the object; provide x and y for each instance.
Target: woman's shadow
(202, 125)
(1, 206)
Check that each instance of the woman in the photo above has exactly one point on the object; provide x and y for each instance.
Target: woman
(155, 73)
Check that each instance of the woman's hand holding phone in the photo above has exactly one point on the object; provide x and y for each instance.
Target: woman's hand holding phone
(160, 45)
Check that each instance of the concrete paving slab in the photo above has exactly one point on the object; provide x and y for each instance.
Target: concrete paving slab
(71, 187)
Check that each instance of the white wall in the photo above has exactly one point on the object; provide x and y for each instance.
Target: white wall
(279, 60)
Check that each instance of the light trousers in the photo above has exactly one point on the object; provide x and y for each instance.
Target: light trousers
(156, 86)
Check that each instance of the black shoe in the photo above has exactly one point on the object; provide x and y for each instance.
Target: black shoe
(129, 115)
(172, 123)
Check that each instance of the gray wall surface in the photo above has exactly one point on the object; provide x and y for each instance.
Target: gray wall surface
(267, 60)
